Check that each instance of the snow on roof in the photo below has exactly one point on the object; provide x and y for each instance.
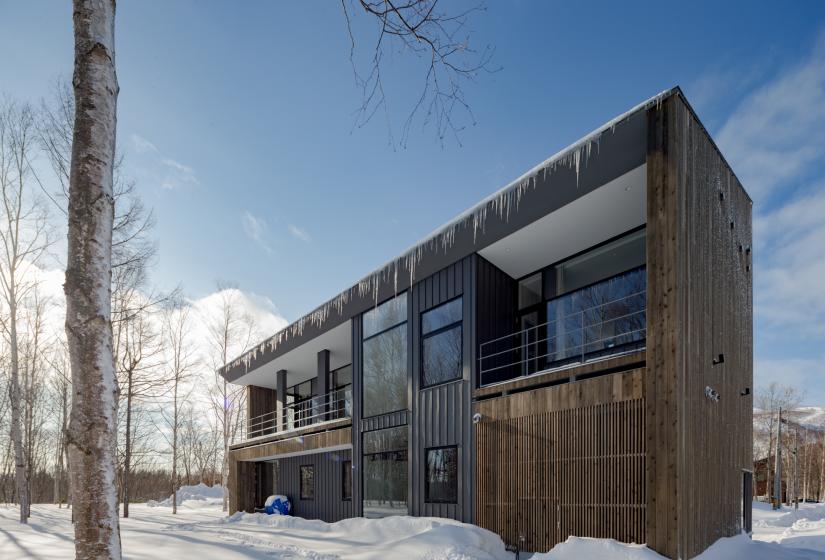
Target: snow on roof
(502, 202)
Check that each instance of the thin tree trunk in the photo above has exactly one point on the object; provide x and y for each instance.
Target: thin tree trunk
(175, 451)
(127, 459)
(16, 428)
(93, 423)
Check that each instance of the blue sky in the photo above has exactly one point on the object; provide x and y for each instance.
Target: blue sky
(236, 121)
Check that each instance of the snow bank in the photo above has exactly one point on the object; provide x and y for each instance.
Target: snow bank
(579, 548)
(744, 547)
(198, 493)
(391, 537)
(740, 547)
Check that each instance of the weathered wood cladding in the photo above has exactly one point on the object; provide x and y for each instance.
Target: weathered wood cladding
(699, 314)
(259, 400)
(563, 460)
(441, 415)
(328, 503)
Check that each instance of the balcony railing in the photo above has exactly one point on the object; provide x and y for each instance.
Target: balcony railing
(590, 333)
(334, 405)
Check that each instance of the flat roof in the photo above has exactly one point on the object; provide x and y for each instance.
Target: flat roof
(611, 150)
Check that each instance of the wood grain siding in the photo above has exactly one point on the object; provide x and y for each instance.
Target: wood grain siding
(633, 360)
(327, 503)
(299, 444)
(259, 400)
(563, 460)
(699, 308)
(441, 415)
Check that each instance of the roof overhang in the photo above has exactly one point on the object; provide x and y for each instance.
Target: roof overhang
(615, 149)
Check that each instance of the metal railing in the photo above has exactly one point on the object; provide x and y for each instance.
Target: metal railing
(588, 334)
(334, 405)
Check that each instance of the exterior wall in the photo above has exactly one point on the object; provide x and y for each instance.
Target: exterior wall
(495, 311)
(328, 504)
(259, 400)
(699, 308)
(563, 460)
(247, 482)
(441, 415)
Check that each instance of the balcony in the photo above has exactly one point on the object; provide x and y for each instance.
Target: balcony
(333, 406)
(592, 324)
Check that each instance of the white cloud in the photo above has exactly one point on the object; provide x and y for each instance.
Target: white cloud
(168, 173)
(142, 145)
(299, 233)
(805, 374)
(257, 230)
(779, 129)
(775, 141)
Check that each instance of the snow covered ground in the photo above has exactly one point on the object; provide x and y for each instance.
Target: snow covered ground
(201, 531)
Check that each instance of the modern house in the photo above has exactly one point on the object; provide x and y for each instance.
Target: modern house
(572, 356)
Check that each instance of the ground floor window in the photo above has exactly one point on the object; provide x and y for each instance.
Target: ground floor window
(385, 472)
(442, 475)
(307, 482)
(346, 480)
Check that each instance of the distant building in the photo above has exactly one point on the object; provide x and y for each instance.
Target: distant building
(572, 356)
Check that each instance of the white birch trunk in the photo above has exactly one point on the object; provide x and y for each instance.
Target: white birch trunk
(20, 469)
(92, 433)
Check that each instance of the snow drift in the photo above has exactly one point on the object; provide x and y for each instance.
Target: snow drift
(198, 493)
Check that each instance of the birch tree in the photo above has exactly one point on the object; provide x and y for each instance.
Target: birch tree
(23, 242)
(230, 331)
(92, 424)
(181, 364)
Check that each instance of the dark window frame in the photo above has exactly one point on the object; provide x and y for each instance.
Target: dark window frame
(427, 498)
(455, 325)
(301, 482)
(346, 465)
(405, 450)
(406, 322)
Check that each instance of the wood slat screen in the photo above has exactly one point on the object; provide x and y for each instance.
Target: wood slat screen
(550, 475)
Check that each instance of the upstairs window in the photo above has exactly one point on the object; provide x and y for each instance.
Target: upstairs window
(384, 369)
(441, 343)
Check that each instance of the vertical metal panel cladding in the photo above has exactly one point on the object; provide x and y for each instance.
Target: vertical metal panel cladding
(441, 413)
(328, 502)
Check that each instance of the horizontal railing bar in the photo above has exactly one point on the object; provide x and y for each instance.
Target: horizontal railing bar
(568, 333)
(580, 312)
(574, 355)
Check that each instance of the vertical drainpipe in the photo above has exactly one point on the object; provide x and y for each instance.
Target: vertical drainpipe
(280, 402)
(324, 385)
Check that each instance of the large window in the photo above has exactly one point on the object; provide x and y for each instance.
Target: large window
(307, 482)
(441, 342)
(385, 358)
(346, 480)
(385, 472)
(299, 401)
(442, 475)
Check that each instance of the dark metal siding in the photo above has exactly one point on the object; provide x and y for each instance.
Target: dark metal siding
(442, 415)
(496, 314)
(328, 504)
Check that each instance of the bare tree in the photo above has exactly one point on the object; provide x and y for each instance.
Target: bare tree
(230, 332)
(23, 242)
(138, 347)
(769, 401)
(440, 39)
(181, 363)
(92, 426)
